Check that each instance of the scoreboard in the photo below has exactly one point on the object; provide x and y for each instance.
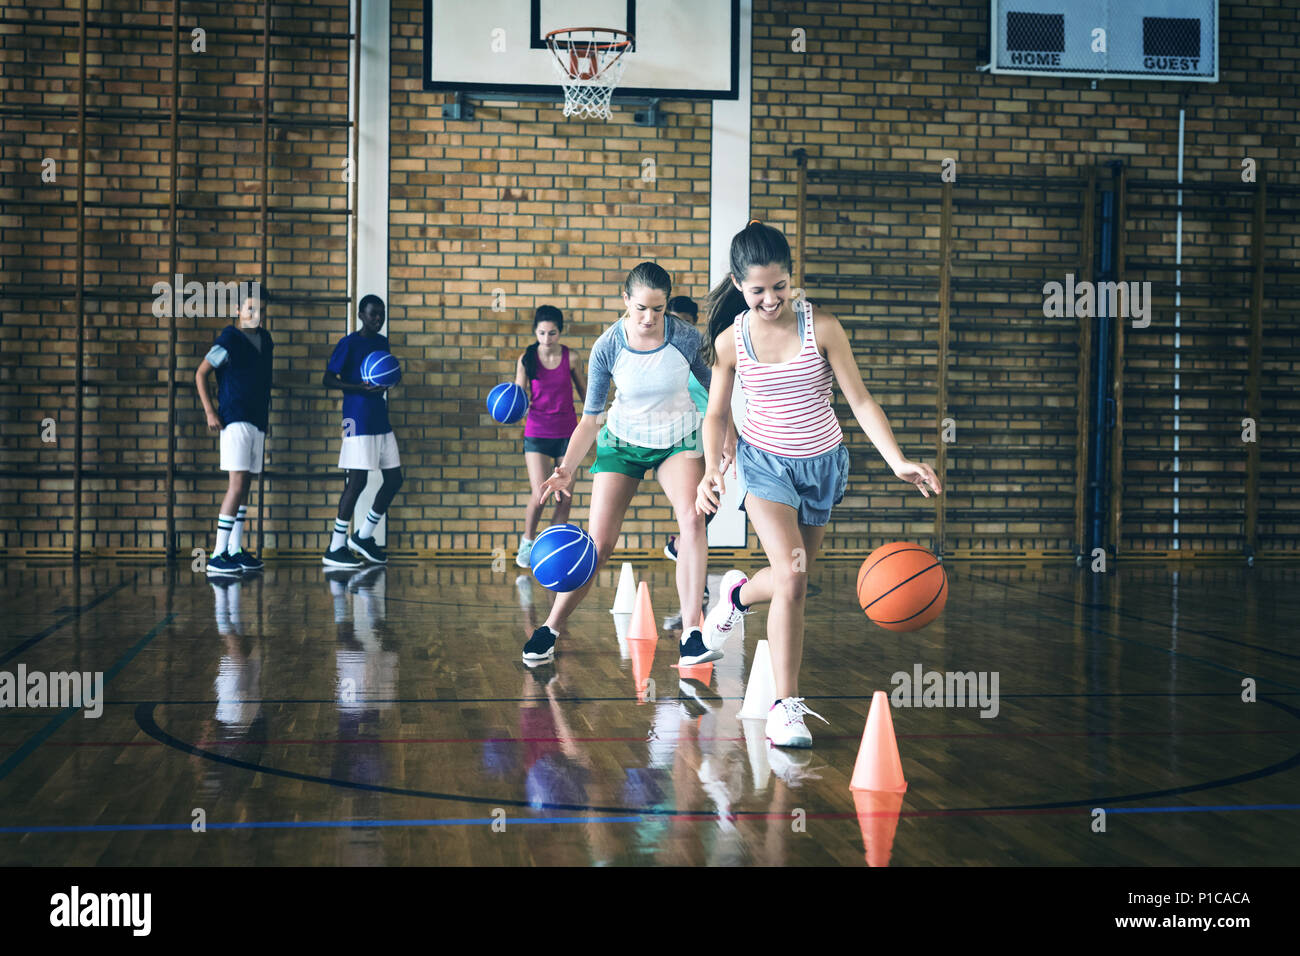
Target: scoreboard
(1118, 39)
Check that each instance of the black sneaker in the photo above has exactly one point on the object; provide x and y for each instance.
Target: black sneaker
(693, 650)
(369, 549)
(247, 560)
(670, 549)
(541, 646)
(342, 558)
(223, 565)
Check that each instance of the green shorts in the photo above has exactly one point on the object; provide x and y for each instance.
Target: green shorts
(614, 454)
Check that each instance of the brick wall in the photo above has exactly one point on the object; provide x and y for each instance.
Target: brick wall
(549, 210)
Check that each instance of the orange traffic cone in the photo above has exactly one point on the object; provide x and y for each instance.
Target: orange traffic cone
(878, 766)
(643, 617)
(643, 658)
(878, 817)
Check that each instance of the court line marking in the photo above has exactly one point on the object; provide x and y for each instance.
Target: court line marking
(212, 702)
(741, 817)
(63, 716)
(94, 602)
(144, 716)
(671, 738)
(1142, 620)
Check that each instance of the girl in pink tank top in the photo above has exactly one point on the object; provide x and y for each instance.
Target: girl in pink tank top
(548, 375)
(791, 459)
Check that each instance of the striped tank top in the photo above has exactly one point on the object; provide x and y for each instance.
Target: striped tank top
(788, 405)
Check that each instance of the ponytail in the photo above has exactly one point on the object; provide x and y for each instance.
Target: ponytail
(755, 245)
(723, 303)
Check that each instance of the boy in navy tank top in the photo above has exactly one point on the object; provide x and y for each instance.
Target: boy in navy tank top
(242, 360)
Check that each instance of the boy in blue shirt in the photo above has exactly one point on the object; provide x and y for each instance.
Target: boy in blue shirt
(242, 359)
(368, 440)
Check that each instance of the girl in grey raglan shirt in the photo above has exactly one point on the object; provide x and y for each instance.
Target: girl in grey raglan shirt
(653, 425)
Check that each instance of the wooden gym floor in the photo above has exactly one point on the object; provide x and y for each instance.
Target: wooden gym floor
(385, 718)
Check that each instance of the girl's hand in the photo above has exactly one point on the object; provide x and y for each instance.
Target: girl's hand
(371, 389)
(214, 422)
(920, 474)
(708, 495)
(560, 482)
(728, 456)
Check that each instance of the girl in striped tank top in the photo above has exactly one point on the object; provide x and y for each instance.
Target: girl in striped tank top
(793, 466)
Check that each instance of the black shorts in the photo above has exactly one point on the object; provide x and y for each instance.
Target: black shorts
(551, 447)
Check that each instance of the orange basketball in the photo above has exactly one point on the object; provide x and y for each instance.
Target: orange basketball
(902, 586)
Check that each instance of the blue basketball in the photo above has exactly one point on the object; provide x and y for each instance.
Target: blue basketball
(507, 403)
(380, 368)
(563, 558)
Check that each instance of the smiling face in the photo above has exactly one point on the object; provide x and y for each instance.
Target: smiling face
(766, 290)
(548, 335)
(372, 318)
(646, 307)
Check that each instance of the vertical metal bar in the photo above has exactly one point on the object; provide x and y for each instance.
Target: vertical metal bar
(1253, 371)
(356, 162)
(172, 268)
(1086, 242)
(266, 172)
(941, 368)
(801, 214)
(80, 375)
(1117, 440)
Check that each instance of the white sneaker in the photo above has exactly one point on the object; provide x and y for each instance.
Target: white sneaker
(522, 559)
(785, 726)
(724, 618)
(794, 767)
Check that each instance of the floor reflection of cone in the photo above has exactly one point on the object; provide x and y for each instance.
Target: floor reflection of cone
(625, 596)
(878, 813)
(643, 658)
(643, 618)
(622, 622)
(756, 746)
(878, 766)
(700, 672)
(760, 691)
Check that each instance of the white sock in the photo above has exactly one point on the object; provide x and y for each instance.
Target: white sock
(367, 529)
(237, 531)
(224, 524)
(340, 534)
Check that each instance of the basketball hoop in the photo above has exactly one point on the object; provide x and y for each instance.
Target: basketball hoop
(590, 63)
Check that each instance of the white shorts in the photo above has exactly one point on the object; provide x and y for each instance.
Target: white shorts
(369, 452)
(242, 444)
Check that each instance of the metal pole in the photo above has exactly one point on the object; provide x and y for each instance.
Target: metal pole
(81, 288)
(1252, 375)
(172, 264)
(353, 292)
(266, 172)
(941, 368)
(1117, 441)
(1086, 241)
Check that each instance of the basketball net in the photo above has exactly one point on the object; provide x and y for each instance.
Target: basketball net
(590, 65)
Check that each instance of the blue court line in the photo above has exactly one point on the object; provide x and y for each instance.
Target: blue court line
(511, 821)
(63, 622)
(63, 716)
(312, 824)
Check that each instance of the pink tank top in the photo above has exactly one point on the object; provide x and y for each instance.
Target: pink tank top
(550, 406)
(788, 405)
